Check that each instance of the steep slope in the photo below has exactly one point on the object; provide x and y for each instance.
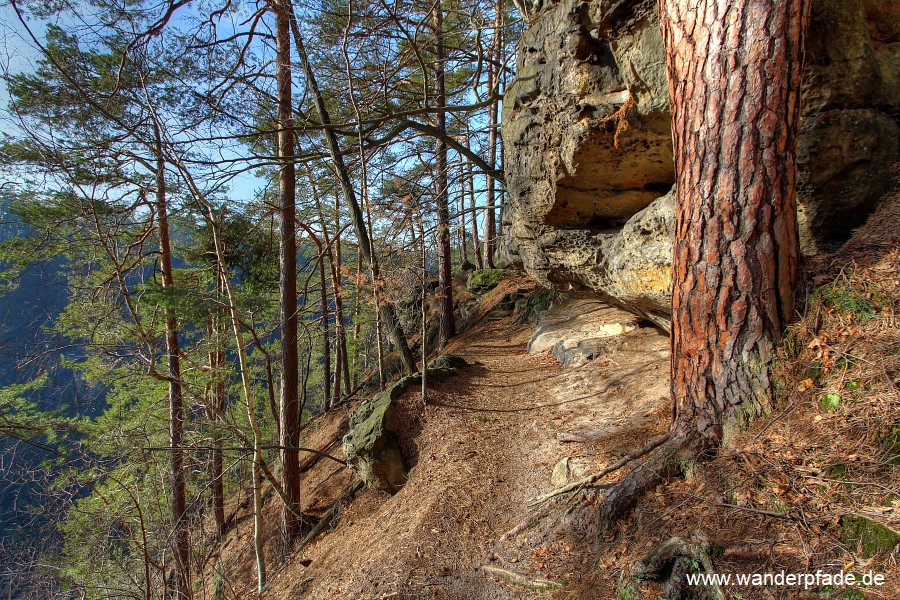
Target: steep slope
(483, 447)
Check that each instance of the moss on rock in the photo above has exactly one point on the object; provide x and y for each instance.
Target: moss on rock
(371, 447)
(874, 538)
(485, 280)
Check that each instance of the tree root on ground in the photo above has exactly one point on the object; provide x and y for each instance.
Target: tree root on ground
(670, 455)
(591, 479)
(529, 581)
(666, 462)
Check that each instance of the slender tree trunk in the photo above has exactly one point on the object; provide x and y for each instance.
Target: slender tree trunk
(339, 299)
(734, 70)
(247, 388)
(216, 410)
(180, 536)
(340, 334)
(462, 210)
(324, 252)
(445, 267)
(423, 312)
(357, 318)
(287, 254)
(386, 309)
(476, 242)
(490, 223)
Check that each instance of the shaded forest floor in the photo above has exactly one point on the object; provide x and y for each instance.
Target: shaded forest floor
(780, 496)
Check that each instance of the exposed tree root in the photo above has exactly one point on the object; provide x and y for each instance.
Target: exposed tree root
(535, 517)
(668, 461)
(527, 581)
(590, 479)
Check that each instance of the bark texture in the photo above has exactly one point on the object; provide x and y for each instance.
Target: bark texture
(287, 254)
(445, 274)
(587, 138)
(734, 71)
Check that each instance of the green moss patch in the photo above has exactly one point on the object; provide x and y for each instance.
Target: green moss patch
(874, 538)
(485, 280)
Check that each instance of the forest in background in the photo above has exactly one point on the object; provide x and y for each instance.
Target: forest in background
(166, 333)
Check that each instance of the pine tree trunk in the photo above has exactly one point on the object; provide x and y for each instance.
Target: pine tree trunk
(490, 218)
(324, 253)
(287, 255)
(734, 71)
(462, 210)
(216, 411)
(445, 269)
(180, 537)
(338, 316)
(386, 310)
(476, 242)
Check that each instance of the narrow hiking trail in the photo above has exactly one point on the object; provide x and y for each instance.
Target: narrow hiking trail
(485, 445)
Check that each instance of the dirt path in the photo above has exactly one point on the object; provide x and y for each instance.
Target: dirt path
(483, 447)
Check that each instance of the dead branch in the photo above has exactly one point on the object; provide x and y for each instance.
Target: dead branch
(331, 515)
(532, 582)
(590, 479)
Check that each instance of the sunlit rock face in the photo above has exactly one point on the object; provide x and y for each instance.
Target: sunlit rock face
(588, 152)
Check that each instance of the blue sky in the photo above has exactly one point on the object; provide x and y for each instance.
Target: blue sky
(18, 54)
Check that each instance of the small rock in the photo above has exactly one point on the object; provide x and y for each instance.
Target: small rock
(562, 471)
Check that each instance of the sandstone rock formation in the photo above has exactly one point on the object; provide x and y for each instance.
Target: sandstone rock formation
(372, 447)
(586, 131)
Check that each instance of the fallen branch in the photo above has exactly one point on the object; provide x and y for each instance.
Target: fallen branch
(310, 461)
(329, 516)
(756, 511)
(590, 479)
(537, 583)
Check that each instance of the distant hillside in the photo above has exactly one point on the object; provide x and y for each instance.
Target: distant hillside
(27, 350)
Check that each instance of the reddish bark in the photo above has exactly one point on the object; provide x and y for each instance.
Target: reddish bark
(734, 70)
(734, 81)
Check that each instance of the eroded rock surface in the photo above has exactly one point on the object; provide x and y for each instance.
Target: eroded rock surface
(577, 330)
(586, 131)
(372, 446)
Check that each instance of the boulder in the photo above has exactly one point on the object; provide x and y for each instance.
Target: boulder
(485, 280)
(588, 154)
(371, 447)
